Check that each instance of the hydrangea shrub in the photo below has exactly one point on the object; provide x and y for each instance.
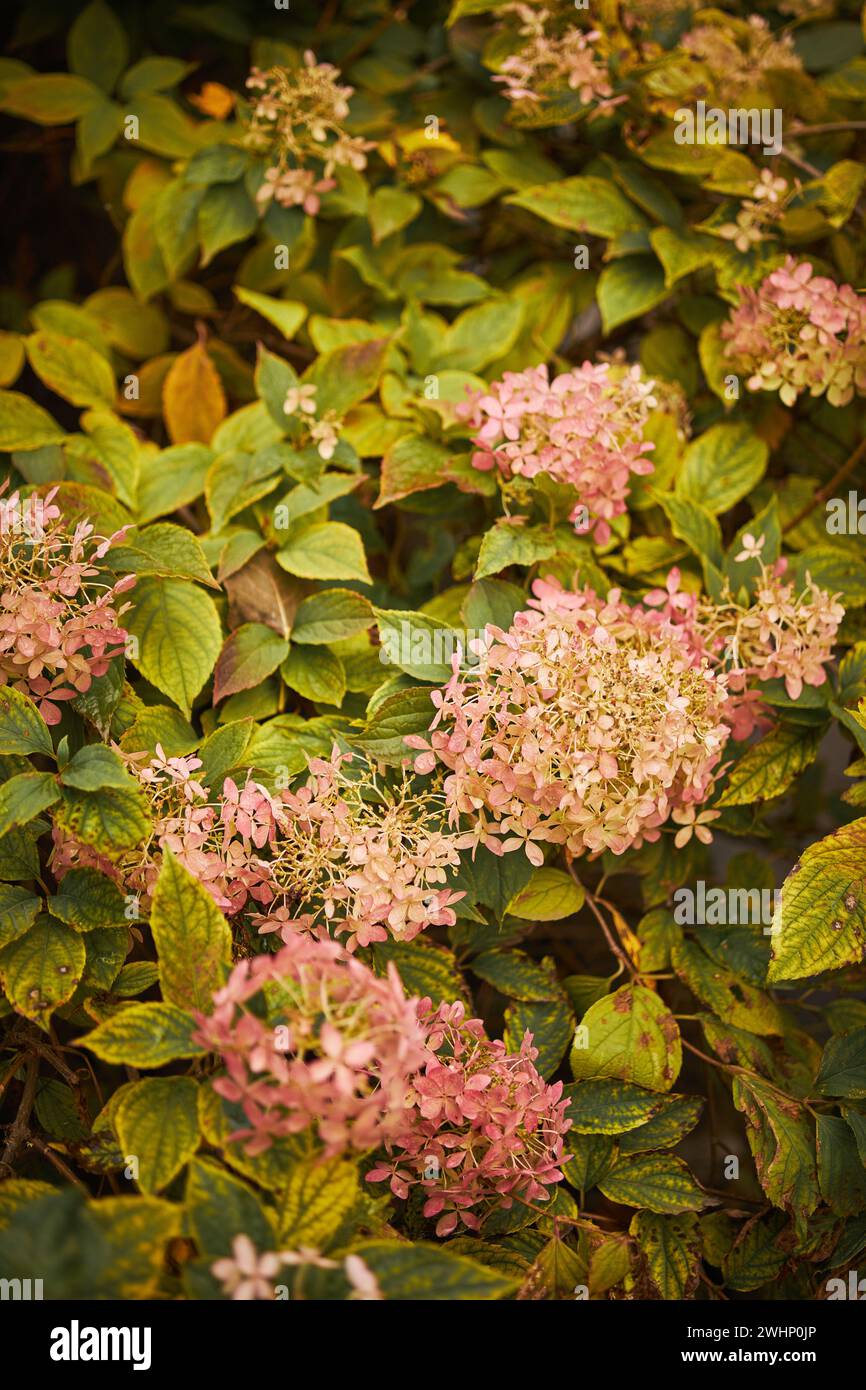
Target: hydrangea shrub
(433, 651)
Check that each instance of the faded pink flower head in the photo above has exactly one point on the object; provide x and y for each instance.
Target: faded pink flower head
(800, 332)
(483, 1128)
(584, 428)
(59, 616)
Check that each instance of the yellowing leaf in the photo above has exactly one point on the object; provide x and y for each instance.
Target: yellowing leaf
(144, 1035)
(72, 368)
(42, 969)
(157, 1123)
(193, 398)
(192, 937)
(330, 550)
(316, 1200)
(630, 1034)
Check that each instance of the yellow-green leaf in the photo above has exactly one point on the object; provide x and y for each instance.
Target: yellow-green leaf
(192, 937)
(157, 1123)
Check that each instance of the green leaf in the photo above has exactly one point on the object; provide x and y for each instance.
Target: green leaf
(18, 912)
(138, 1230)
(843, 1065)
(390, 209)
(226, 215)
(551, 1024)
(235, 480)
(427, 1272)
(672, 1124)
(770, 766)
(87, 901)
(173, 478)
(516, 975)
(179, 637)
(632, 1035)
(97, 47)
(22, 728)
(682, 252)
(659, 1182)
(725, 993)
(821, 921)
(192, 937)
(414, 464)
(758, 1254)
(315, 1202)
(96, 766)
(329, 550)
(53, 98)
(480, 335)
(671, 1247)
(610, 1107)
(692, 523)
(582, 204)
(251, 653)
(722, 466)
(24, 424)
(507, 544)
(782, 1139)
(274, 377)
(157, 1121)
(347, 375)
(841, 1174)
(220, 1207)
(144, 1035)
(166, 550)
(72, 368)
(42, 968)
(550, 895)
(628, 288)
(24, 797)
(609, 1264)
(316, 673)
(331, 616)
(588, 1158)
(426, 970)
(407, 712)
(110, 818)
(285, 314)
(416, 643)
(839, 571)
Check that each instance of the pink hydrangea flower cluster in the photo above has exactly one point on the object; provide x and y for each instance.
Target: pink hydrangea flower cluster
(588, 724)
(297, 115)
(312, 1040)
(482, 1129)
(782, 634)
(59, 617)
(367, 858)
(336, 1052)
(549, 61)
(584, 428)
(800, 332)
(217, 841)
(369, 861)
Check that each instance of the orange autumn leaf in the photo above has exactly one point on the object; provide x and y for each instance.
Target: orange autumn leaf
(214, 100)
(193, 399)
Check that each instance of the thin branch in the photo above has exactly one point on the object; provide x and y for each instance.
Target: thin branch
(34, 1141)
(801, 163)
(18, 1129)
(828, 129)
(624, 962)
(829, 488)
